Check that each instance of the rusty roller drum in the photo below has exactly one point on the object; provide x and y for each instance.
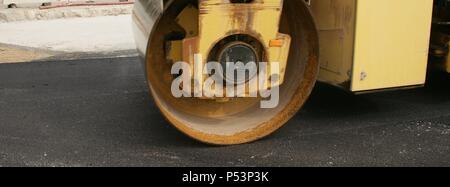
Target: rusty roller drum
(235, 120)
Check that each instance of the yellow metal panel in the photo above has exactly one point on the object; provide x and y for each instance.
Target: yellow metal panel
(447, 63)
(260, 19)
(185, 20)
(336, 25)
(391, 43)
(219, 19)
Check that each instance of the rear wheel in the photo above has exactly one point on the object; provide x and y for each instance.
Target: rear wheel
(238, 120)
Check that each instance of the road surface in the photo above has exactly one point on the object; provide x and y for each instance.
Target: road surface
(98, 113)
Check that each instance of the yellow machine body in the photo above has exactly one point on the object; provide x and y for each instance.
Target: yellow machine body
(218, 19)
(370, 45)
(359, 45)
(447, 64)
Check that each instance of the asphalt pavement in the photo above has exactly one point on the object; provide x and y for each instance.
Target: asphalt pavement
(98, 113)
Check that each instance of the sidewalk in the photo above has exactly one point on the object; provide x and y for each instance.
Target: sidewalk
(67, 37)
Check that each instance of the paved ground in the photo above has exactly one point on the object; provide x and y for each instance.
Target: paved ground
(76, 32)
(72, 38)
(94, 34)
(98, 113)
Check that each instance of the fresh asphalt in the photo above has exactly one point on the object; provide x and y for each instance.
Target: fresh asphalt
(98, 113)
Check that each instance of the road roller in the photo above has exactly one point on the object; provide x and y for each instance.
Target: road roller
(284, 47)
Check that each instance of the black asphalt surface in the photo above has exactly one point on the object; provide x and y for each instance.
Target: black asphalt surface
(98, 113)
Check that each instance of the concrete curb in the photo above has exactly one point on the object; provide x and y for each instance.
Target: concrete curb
(31, 14)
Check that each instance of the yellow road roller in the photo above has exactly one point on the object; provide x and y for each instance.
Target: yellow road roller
(283, 47)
